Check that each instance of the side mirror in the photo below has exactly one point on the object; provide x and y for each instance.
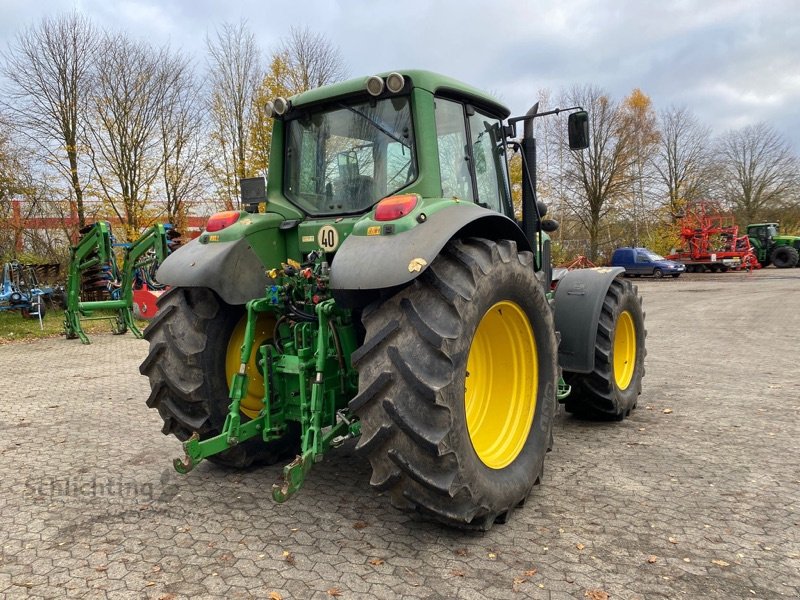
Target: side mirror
(578, 130)
(542, 208)
(254, 192)
(549, 225)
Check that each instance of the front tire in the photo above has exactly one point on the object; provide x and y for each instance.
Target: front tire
(457, 382)
(190, 342)
(612, 389)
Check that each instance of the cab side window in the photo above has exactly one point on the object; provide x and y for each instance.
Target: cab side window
(451, 134)
(489, 159)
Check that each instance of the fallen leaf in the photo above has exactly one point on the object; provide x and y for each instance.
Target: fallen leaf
(275, 596)
(376, 561)
(288, 557)
(596, 595)
(531, 572)
(667, 411)
(457, 573)
(226, 557)
(335, 592)
(167, 597)
(672, 540)
(155, 569)
(580, 546)
(150, 584)
(518, 581)
(721, 563)
(492, 556)
(687, 560)
(652, 558)
(101, 568)
(360, 524)
(460, 552)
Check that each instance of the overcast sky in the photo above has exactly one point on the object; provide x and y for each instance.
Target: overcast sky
(732, 62)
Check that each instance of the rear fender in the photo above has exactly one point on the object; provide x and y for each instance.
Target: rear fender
(365, 265)
(578, 302)
(231, 269)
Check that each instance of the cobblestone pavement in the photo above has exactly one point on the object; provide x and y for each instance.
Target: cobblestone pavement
(695, 496)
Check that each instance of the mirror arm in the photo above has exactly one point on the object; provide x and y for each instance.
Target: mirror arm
(529, 117)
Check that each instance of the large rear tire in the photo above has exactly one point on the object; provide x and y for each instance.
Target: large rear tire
(612, 389)
(457, 383)
(785, 257)
(191, 339)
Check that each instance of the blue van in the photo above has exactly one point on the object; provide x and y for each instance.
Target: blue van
(641, 261)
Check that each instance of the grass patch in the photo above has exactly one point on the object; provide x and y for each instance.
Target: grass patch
(13, 328)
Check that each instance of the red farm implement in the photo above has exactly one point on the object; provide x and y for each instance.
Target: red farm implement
(710, 241)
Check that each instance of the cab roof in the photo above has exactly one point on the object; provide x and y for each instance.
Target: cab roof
(432, 82)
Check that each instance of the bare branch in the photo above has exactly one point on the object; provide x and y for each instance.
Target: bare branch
(49, 69)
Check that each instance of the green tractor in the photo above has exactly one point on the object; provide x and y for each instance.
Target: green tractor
(783, 251)
(379, 286)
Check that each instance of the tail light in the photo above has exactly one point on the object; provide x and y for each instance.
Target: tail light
(221, 220)
(394, 207)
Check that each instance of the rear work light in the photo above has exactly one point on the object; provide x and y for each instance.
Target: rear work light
(221, 220)
(394, 207)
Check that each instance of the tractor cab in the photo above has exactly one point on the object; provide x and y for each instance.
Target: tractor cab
(403, 147)
(763, 232)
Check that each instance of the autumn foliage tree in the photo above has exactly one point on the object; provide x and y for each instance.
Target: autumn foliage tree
(638, 119)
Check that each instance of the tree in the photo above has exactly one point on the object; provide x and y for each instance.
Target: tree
(303, 61)
(9, 188)
(311, 60)
(271, 87)
(598, 177)
(682, 160)
(49, 69)
(132, 82)
(234, 76)
(639, 119)
(758, 170)
(180, 129)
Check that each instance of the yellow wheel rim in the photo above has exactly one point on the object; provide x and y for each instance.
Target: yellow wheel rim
(252, 403)
(501, 385)
(624, 350)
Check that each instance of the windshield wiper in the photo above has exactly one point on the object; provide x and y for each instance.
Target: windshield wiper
(377, 125)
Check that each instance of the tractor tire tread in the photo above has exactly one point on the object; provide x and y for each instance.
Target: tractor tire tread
(186, 389)
(595, 395)
(407, 428)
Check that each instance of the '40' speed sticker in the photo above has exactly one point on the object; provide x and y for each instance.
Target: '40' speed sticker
(328, 238)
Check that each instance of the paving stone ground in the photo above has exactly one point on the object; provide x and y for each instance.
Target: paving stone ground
(699, 502)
